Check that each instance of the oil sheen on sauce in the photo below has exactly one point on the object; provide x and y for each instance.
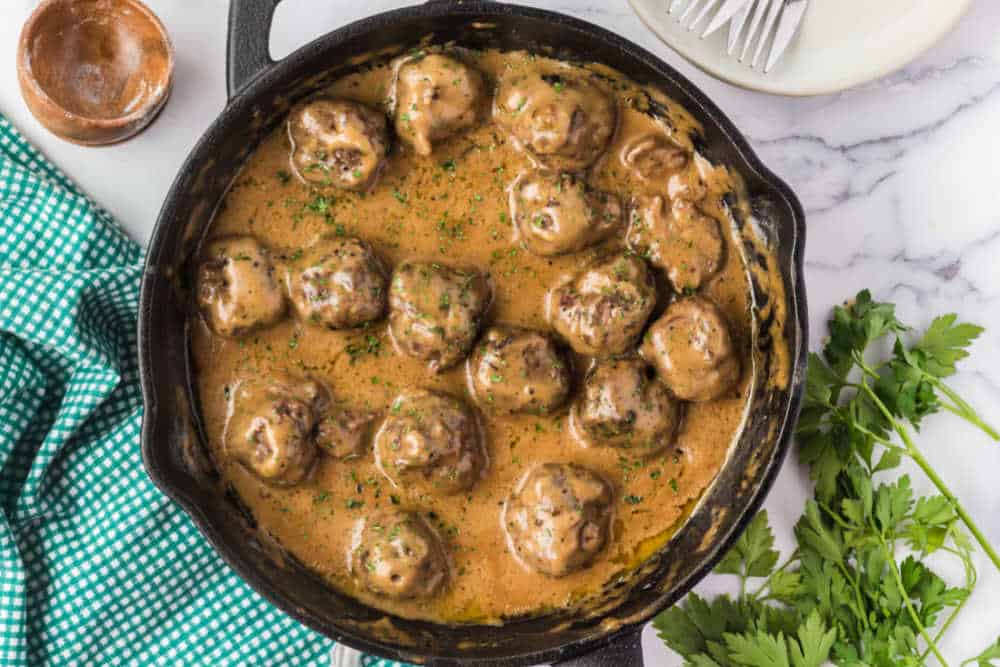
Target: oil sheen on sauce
(452, 207)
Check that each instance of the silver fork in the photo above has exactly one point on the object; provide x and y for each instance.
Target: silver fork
(770, 24)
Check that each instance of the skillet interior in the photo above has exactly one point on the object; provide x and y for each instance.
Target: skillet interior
(173, 448)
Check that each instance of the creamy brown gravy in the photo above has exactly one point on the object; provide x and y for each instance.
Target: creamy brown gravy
(452, 207)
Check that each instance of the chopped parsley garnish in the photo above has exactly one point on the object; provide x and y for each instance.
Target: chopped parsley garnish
(320, 204)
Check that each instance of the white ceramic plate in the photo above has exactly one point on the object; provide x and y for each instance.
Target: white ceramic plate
(841, 43)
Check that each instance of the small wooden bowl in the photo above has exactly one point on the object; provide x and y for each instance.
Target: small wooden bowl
(94, 71)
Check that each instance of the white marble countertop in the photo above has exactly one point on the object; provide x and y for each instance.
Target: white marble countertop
(900, 180)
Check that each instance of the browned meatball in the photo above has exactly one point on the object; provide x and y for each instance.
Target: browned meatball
(436, 97)
(679, 239)
(556, 213)
(396, 554)
(337, 142)
(271, 426)
(236, 288)
(623, 406)
(692, 350)
(601, 311)
(653, 158)
(342, 431)
(662, 167)
(435, 310)
(560, 116)
(558, 518)
(517, 370)
(431, 442)
(338, 283)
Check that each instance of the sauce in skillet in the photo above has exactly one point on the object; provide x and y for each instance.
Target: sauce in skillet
(447, 202)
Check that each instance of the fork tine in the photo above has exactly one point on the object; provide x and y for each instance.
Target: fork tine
(791, 17)
(704, 11)
(728, 9)
(675, 5)
(736, 27)
(765, 34)
(689, 11)
(758, 14)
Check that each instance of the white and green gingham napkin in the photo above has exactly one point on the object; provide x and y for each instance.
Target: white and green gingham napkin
(97, 567)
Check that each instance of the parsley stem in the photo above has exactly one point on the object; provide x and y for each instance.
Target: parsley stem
(945, 625)
(970, 581)
(924, 464)
(973, 419)
(840, 564)
(766, 586)
(891, 558)
(961, 408)
(885, 442)
(833, 515)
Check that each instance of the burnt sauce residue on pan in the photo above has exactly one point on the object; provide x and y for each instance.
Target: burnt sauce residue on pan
(474, 333)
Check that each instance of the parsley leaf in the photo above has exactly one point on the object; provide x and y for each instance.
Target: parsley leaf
(814, 643)
(855, 326)
(943, 344)
(678, 631)
(753, 554)
(759, 649)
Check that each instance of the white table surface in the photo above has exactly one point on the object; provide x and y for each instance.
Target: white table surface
(900, 180)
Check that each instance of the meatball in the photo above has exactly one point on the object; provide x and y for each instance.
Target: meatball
(662, 167)
(342, 431)
(337, 142)
(558, 518)
(653, 158)
(679, 239)
(434, 311)
(518, 371)
(601, 310)
(623, 406)
(396, 554)
(236, 288)
(271, 427)
(337, 283)
(561, 117)
(692, 350)
(555, 213)
(432, 442)
(436, 96)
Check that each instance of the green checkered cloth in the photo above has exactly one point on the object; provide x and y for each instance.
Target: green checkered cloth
(97, 567)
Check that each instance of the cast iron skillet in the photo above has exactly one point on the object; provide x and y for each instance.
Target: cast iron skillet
(173, 448)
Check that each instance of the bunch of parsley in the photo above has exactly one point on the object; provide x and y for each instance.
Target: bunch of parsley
(858, 589)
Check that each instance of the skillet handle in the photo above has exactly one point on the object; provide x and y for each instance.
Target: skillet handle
(248, 50)
(624, 651)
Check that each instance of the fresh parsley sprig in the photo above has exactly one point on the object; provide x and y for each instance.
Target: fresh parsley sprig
(853, 405)
(857, 589)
